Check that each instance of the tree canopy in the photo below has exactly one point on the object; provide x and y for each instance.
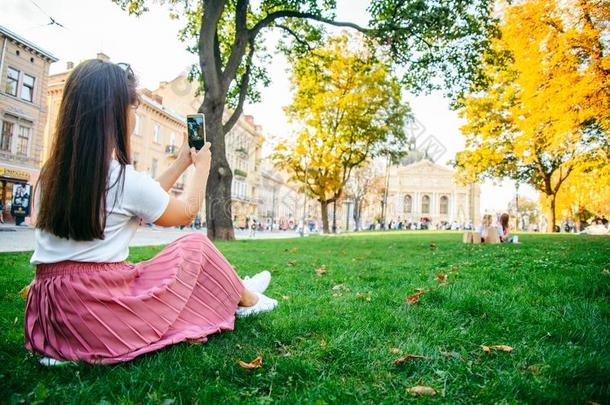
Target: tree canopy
(546, 110)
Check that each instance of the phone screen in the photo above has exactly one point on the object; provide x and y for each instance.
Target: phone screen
(196, 130)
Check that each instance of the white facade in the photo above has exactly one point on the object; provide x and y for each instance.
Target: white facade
(428, 191)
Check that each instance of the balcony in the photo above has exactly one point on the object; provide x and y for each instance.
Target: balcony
(239, 172)
(171, 151)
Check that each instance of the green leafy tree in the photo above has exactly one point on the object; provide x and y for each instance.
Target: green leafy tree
(349, 105)
(437, 43)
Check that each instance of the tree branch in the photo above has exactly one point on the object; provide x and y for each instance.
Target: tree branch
(270, 18)
(243, 91)
(212, 10)
(239, 43)
(294, 35)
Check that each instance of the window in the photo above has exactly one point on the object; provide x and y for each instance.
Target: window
(425, 204)
(11, 81)
(444, 205)
(157, 134)
(23, 140)
(153, 170)
(7, 136)
(27, 87)
(408, 204)
(136, 129)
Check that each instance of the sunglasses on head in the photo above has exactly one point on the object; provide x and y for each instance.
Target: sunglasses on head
(126, 67)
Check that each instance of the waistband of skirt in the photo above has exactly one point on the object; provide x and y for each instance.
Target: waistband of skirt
(72, 267)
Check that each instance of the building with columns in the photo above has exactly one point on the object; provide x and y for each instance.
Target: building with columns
(425, 191)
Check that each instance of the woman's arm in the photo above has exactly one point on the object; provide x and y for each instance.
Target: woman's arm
(179, 212)
(169, 177)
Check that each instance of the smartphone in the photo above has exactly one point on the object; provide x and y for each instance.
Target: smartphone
(195, 124)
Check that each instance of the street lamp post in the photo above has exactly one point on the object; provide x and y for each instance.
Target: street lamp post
(302, 231)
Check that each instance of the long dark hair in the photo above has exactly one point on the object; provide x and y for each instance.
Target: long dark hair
(504, 221)
(91, 125)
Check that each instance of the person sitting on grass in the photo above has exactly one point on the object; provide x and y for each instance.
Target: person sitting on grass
(504, 230)
(86, 302)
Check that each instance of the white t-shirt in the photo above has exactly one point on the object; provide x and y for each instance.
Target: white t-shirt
(142, 198)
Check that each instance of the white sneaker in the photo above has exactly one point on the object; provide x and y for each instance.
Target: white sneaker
(264, 304)
(51, 362)
(258, 282)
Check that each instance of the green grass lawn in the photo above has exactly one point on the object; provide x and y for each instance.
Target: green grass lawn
(548, 298)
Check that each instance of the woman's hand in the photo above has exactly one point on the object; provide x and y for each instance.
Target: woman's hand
(184, 155)
(202, 159)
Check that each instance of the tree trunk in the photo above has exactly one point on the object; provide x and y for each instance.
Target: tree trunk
(357, 213)
(218, 193)
(324, 209)
(551, 214)
(335, 216)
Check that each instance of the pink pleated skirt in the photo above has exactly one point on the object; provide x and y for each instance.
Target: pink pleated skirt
(113, 312)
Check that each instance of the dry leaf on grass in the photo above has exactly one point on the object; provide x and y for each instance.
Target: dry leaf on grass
(414, 299)
(441, 277)
(321, 270)
(606, 272)
(339, 287)
(292, 262)
(366, 297)
(502, 348)
(422, 390)
(420, 290)
(395, 350)
(285, 297)
(323, 344)
(402, 359)
(293, 250)
(24, 292)
(256, 363)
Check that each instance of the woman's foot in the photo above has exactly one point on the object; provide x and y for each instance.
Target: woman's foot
(51, 362)
(258, 283)
(264, 304)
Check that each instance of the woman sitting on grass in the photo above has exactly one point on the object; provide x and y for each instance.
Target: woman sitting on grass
(86, 302)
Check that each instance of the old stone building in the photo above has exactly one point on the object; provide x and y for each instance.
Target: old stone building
(427, 192)
(24, 72)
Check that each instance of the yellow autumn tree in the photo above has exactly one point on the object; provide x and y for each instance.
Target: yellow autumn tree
(545, 113)
(586, 193)
(349, 107)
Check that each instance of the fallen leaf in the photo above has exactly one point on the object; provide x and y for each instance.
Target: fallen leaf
(256, 363)
(606, 272)
(336, 295)
(321, 270)
(422, 390)
(402, 359)
(285, 297)
(343, 253)
(414, 299)
(366, 297)
(395, 350)
(323, 344)
(441, 277)
(293, 250)
(340, 287)
(24, 292)
(274, 270)
(502, 348)
(292, 262)
(420, 290)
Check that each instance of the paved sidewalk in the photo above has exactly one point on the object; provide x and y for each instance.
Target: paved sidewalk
(21, 238)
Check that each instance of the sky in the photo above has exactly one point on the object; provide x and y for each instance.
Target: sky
(150, 44)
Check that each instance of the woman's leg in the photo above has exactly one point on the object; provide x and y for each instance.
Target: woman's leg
(248, 298)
